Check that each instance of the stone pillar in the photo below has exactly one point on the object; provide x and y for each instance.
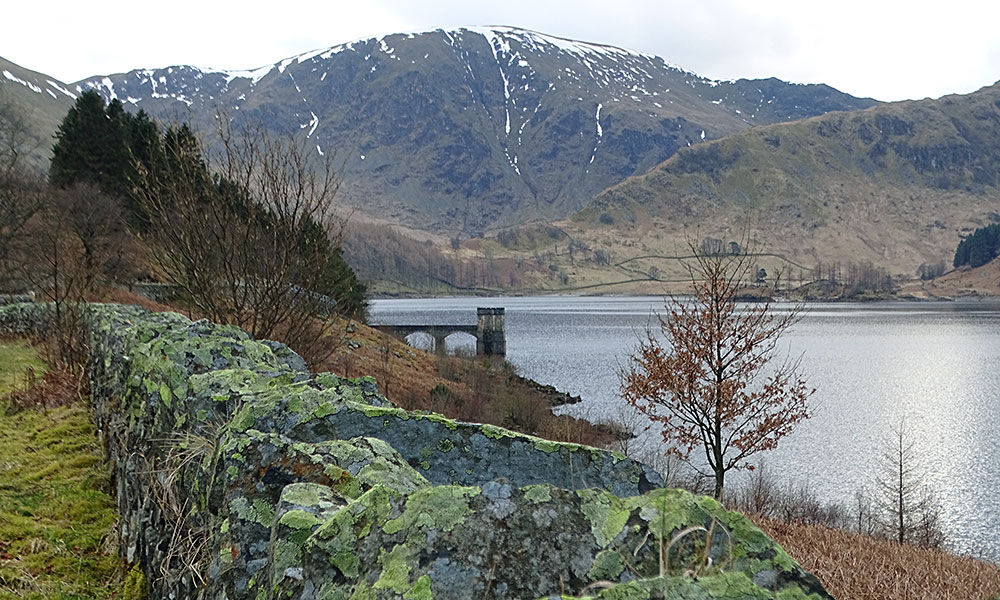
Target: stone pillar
(490, 337)
(438, 342)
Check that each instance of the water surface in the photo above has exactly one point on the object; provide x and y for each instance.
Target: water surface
(935, 365)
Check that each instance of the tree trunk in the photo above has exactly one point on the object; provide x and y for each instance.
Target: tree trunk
(720, 476)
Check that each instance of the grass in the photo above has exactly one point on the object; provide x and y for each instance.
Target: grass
(56, 518)
(862, 568)
(15, 360)
(467, 389)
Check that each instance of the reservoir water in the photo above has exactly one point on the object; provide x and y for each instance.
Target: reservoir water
(934, 365)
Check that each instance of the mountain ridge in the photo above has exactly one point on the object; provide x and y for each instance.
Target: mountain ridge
(474, 129)
(896, 184)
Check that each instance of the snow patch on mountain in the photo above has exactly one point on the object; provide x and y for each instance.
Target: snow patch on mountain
(27, 84)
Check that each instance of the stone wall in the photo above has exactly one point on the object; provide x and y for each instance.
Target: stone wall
(239, 474)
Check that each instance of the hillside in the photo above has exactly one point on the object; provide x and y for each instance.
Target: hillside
(462, 131)
(896, 185)
(42, 102)
(965, 282)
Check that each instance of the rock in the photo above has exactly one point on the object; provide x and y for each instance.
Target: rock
(503, 542)
(445, 451)
(302, 508)
(238, 474)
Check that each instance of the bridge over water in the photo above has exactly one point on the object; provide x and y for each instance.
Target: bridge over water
(491, 339)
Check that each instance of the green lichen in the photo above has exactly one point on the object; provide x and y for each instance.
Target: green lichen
(383, 411)
(264, 511)
(446, 445)
(722, 586)
(617, 457)
(667, 510)
(165, 394)
(421, 590)
(338, 536)
(299, 520)
(347, 563)
(536, 494)
(754, 542)
(606, 513)
(495, 433)
(395, 570)
(607, 565)
(735, 585)
(795, 593)
(343, 482)
(305, 494)
(259, 512)
(548, 446)
(440, 508)
(324, 409)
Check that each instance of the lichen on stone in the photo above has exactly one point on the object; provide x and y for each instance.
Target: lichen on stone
(306, 486)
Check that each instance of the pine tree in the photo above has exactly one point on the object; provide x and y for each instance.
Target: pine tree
(91, 145)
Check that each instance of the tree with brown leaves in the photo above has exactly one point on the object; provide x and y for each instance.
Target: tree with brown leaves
(712, 383)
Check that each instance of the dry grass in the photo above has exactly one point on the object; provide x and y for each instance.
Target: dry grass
(474, 390)
(122, 296)
(960, 283)
(857, 567)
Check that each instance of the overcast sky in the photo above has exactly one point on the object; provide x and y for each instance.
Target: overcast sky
(887, 50)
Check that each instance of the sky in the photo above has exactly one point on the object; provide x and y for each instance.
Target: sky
(887, 50)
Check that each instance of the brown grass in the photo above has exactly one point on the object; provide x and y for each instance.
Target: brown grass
(857, 567)
(56, 387)
(960, 283)
(122, 296)
(473, 390)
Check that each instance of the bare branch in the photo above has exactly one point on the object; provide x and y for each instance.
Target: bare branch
(710, 382)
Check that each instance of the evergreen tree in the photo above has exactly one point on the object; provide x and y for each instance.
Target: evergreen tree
(91, 146)
(145, 151)
(979, 248)
(160, 176)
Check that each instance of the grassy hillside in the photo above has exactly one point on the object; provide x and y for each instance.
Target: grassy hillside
(40, 100)
(897, 185)
(56, 518)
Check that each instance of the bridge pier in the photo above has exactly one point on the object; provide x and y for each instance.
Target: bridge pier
(491, 339)
(438, 339)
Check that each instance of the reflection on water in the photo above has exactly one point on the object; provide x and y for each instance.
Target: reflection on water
(936, 365)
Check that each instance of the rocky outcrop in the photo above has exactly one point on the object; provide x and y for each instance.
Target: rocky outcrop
(239, 474)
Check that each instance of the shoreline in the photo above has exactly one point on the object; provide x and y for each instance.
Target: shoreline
(971, 298)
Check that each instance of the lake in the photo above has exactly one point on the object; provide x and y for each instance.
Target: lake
(935, 365)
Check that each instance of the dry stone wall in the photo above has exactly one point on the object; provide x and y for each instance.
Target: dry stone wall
(240, 474)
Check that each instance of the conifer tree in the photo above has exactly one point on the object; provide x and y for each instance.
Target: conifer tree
(91, 145)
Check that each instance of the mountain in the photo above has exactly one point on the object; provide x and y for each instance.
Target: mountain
(473, 129)
(43, 102)
(897, 185)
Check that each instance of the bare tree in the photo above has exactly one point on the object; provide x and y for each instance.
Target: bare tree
(21, 188)
(712, 382)
(908, 511)
(250, 237)
(67, 252)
